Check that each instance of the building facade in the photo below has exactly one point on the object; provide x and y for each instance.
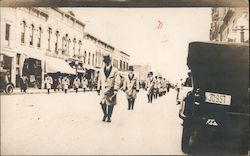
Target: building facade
(141, 71)
(230, 25)
(36, 38)
(36, 41)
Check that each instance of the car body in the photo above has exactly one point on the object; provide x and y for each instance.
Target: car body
(218, 104)
(5, 85)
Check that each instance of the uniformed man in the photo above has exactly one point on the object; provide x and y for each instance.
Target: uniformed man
(150, 87)
(76, 83)
(131, 87)
(108, 86)
(48, 82)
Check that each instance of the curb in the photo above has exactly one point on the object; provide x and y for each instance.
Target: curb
(43, 92)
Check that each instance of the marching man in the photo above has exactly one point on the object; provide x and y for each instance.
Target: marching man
(131, 86)
(48, 82)
(150, 87)
(65, 84)
(77, 83)
(108, 86)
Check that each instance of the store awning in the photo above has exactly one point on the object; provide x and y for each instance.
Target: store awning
(33, 55)
(54, 65)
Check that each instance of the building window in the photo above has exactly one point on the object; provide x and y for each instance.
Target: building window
(74, 46)
(32, 34)
(18, 59)
(93, 59)
(56, 44)
(120, 64)
(69, 40)
(49, 38)
(23, 32)
(63, 45)
(85, 55)
(7, 33)
(89, 58)
(39, 37)
(79, 45)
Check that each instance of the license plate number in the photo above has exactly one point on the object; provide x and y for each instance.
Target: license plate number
(216, 98)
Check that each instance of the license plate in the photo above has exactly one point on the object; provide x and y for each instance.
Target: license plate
(216, 98)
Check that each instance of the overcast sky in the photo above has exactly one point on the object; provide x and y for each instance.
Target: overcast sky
(138, 32)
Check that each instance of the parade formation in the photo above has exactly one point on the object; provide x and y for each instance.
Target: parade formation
(67, 91)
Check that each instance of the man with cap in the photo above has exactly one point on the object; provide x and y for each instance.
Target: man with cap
(108, 86)
(150, 87)
(131, 86)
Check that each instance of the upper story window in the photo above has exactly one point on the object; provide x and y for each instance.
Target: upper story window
(85, 55)
(89, 58)
(93, 59)
(63, 44)
(7, 32)
(23, 32)
(32, 34)
(74, 46)
(49, 37)
(79, 47)
(56, 44)
(39, 37)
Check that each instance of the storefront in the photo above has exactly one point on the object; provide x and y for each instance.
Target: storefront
(32, 69)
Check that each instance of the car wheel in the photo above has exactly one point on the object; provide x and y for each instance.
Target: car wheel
(9, 89)
(188, 139)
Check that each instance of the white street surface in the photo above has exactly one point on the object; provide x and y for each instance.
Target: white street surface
(71, 124)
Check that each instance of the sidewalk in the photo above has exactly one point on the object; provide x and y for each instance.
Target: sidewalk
(17, 91)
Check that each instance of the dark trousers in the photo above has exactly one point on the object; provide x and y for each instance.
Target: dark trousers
(84, 89)
(150, 98)
(48, 91)
(76, 90)
(65, 91)
(131, 102)
(107, 110)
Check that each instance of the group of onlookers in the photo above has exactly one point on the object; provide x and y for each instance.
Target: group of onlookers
(63, 83)
(156, 87)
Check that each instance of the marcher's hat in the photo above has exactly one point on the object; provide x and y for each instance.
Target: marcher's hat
(150, 73)
(106, 58)
(131, 68)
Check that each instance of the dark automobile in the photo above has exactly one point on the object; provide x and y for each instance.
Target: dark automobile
(217, 107)
(5, 84)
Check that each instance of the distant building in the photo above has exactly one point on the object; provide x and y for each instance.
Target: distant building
(230, 25)
(141, 71)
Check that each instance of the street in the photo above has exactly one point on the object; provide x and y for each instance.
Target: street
(71, 124)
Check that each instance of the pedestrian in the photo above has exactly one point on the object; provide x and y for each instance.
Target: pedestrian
(131, 87)
(84, 84)
(76, 83)
(164, 85)
(59, 84)
(48, 82)
(160, 87)
(23, 84)
(150, 87)
(156, 89)
(108, 86)
(65, 84)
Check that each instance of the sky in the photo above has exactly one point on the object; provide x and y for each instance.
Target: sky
(155, 36)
